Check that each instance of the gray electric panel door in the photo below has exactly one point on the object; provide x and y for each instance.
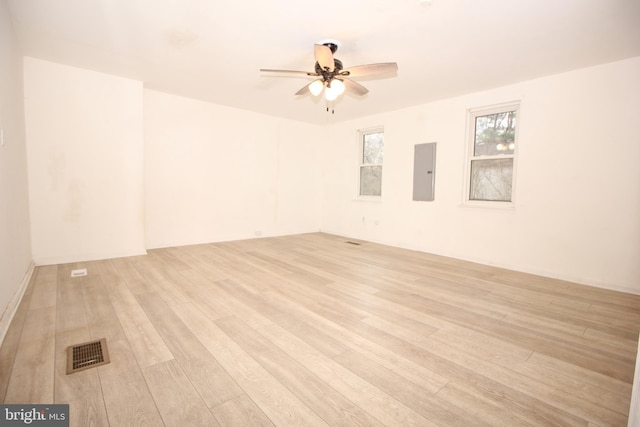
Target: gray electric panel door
(424, 171)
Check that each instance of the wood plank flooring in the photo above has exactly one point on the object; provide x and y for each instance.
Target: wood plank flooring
(310, 330)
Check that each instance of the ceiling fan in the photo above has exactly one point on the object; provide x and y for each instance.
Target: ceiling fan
(332, 77)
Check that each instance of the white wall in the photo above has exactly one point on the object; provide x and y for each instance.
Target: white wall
(214, 173)
(15, 240)
(577, 190)
(85, 152)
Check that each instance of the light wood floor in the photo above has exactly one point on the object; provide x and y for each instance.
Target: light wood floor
(310, 330)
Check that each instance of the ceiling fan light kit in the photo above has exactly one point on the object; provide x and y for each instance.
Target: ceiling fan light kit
(333, 79)
(316, 87)
(334, 89)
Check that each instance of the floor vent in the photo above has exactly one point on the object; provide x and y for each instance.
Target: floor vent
(353, 243)
(87, 355)
(79, 272)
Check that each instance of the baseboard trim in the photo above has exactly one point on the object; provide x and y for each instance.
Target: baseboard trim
(10, 311)
(40, 261)
(486, 262)
(634, 407)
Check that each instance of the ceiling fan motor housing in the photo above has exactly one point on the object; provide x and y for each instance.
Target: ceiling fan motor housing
(332, 46)
(328, 75)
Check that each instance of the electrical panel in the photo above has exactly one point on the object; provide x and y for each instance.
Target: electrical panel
(424, 171)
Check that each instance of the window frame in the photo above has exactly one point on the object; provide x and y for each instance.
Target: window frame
(360, 138)
(470, 156)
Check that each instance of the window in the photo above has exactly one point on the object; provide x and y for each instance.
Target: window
(492, 147)
(371, 143)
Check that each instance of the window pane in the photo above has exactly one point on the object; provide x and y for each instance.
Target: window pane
(495, 134)
(372, 148)
(491, 180)
(371, 180)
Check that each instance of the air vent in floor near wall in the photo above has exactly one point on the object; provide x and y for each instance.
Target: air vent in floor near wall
(87, 355)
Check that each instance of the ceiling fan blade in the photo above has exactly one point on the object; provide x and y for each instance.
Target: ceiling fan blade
(314, 88)
(324, 56)
(306, 73)
(304, 90)
(370, 69)
(354, 87)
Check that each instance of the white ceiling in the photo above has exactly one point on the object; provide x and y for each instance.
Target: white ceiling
(213, 50)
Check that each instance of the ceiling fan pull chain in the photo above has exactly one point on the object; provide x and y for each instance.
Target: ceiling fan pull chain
(332, 110)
